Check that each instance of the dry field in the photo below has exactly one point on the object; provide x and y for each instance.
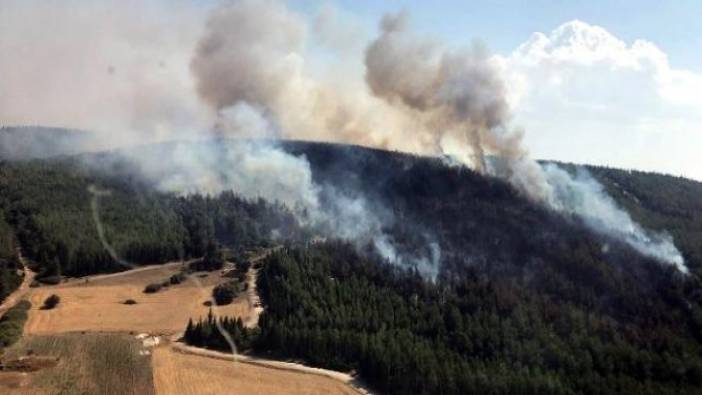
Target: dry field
(110, 362)
(176, 373)
(97, 305)
(87, 364)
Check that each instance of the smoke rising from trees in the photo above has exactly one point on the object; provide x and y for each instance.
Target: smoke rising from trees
(244, 70)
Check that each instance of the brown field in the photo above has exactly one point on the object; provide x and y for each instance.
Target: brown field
(178, 373)
(97, 305)
(110, 363)
(87, 364)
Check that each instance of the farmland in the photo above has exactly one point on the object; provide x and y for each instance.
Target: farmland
(87, 345)
(97, 304)
(78, 364)
(179, 373)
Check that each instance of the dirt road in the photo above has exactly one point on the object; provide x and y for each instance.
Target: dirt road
(255, 306)
(129, 272)
(268, 363)
(22, 290)
(255, 311)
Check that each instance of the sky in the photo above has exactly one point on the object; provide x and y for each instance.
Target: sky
(616, 83)
(504, 24)
(585, 105)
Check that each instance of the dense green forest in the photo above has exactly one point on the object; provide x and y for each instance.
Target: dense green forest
(660, 202)
(525, 300)
(334, 308)
(9, 264)
(58, 207)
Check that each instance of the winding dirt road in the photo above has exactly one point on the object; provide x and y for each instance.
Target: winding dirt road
(256, 309)
(255, 306)
(22, 290)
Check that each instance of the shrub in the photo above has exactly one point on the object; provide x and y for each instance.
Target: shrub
(177, 278)
(152, 288)
(213, 259)
(225, 293)
(243, 266)
(130, 301)
(50, 280)
(51, 302)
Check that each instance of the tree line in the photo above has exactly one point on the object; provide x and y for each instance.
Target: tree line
(335, 308)
(57, 219)
(9, 261)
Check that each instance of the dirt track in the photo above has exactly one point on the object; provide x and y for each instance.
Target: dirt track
(255, 307)
(22, 290)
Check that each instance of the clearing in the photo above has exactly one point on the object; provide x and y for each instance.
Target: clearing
(97, 303)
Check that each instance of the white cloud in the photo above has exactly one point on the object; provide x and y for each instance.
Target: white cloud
(622, 104)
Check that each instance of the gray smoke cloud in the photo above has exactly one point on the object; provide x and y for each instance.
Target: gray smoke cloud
(460, 94)
(582, 195)
(249, 67)
(118, 69)
(242, 68)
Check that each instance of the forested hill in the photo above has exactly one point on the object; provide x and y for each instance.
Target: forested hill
(657, 201)
(479, 222)
(522, 293)
(32, 142)
(57, 208)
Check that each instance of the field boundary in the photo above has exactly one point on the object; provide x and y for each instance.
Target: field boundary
(345, 378)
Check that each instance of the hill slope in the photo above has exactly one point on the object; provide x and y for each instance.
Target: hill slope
(521, 294)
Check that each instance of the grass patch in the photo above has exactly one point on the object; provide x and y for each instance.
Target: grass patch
(89, 364)
(12, 323)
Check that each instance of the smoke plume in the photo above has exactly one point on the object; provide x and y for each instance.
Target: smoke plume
(459, 94)
(243, 68)
(582, 195)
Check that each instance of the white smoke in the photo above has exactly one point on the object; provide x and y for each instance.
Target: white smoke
(583, 196)
(458, 94)
(242, 69)
(461, 94)
(118, 69)
(255, 168)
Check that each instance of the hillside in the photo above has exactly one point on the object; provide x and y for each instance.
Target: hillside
(508, 297)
